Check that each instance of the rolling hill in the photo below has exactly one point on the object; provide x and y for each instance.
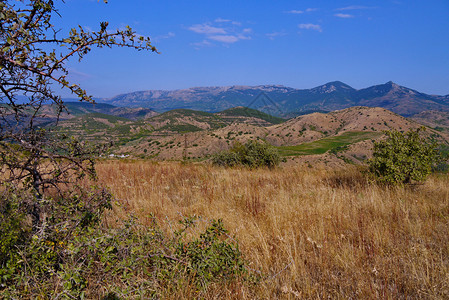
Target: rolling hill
(185, 120)
(171, 122)
(438, 120)
(103, 127)
(344, 135)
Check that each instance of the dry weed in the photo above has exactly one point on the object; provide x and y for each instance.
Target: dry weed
(312, 233)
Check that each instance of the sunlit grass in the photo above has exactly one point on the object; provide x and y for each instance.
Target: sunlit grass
(310, 233)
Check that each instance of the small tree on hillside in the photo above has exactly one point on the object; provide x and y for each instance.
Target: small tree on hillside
(403, 157)
(252, 154)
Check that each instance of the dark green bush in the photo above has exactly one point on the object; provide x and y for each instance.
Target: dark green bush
(253, 154)
(403, 157)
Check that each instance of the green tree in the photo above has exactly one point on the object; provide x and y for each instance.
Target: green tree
(252, 154)
(403, 157)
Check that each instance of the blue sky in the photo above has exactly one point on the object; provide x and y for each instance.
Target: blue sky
(300, 44)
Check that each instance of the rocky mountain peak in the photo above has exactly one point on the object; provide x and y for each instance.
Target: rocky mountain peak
(331, 87)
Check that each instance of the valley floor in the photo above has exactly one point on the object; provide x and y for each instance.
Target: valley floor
(310, 233)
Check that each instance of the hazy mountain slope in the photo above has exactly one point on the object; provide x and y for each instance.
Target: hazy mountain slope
(439, 120)
(400, 99)
(211, 99)
(247, 115)
(131, 113)
(74, 109)
(284, 101)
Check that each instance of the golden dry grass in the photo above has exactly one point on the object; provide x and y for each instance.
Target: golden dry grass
(312, 233)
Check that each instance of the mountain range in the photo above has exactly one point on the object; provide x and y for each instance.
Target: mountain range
(285, 101)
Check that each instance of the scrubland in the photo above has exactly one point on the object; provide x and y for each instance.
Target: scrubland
(304, 232)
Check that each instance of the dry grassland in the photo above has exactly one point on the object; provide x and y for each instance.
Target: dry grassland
(310, 233)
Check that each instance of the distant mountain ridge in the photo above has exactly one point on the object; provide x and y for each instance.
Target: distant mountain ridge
(76, 108)
(285, 101)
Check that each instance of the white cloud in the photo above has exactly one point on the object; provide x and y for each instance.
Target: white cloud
(221, 30)
(220, 20)
(344, 16)
(243, 37)
(204, 43)
(274, 35)
(207, 29)
(355, 7)
(163, 37)
(295, 12)
(310, 26)
(229, 39)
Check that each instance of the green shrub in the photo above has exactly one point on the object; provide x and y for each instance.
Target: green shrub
(14, 233)
(403, 157)
(130, 261)
(253, 154)
(212, 256)
(226, 158)
(40, 250)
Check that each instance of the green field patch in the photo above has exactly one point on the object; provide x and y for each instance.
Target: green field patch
(328, 143)
(109, 118)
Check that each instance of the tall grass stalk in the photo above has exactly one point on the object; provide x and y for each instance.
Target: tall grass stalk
(311, 233)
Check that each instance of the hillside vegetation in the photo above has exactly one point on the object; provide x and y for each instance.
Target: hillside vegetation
(438, 120)
(190, 134)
